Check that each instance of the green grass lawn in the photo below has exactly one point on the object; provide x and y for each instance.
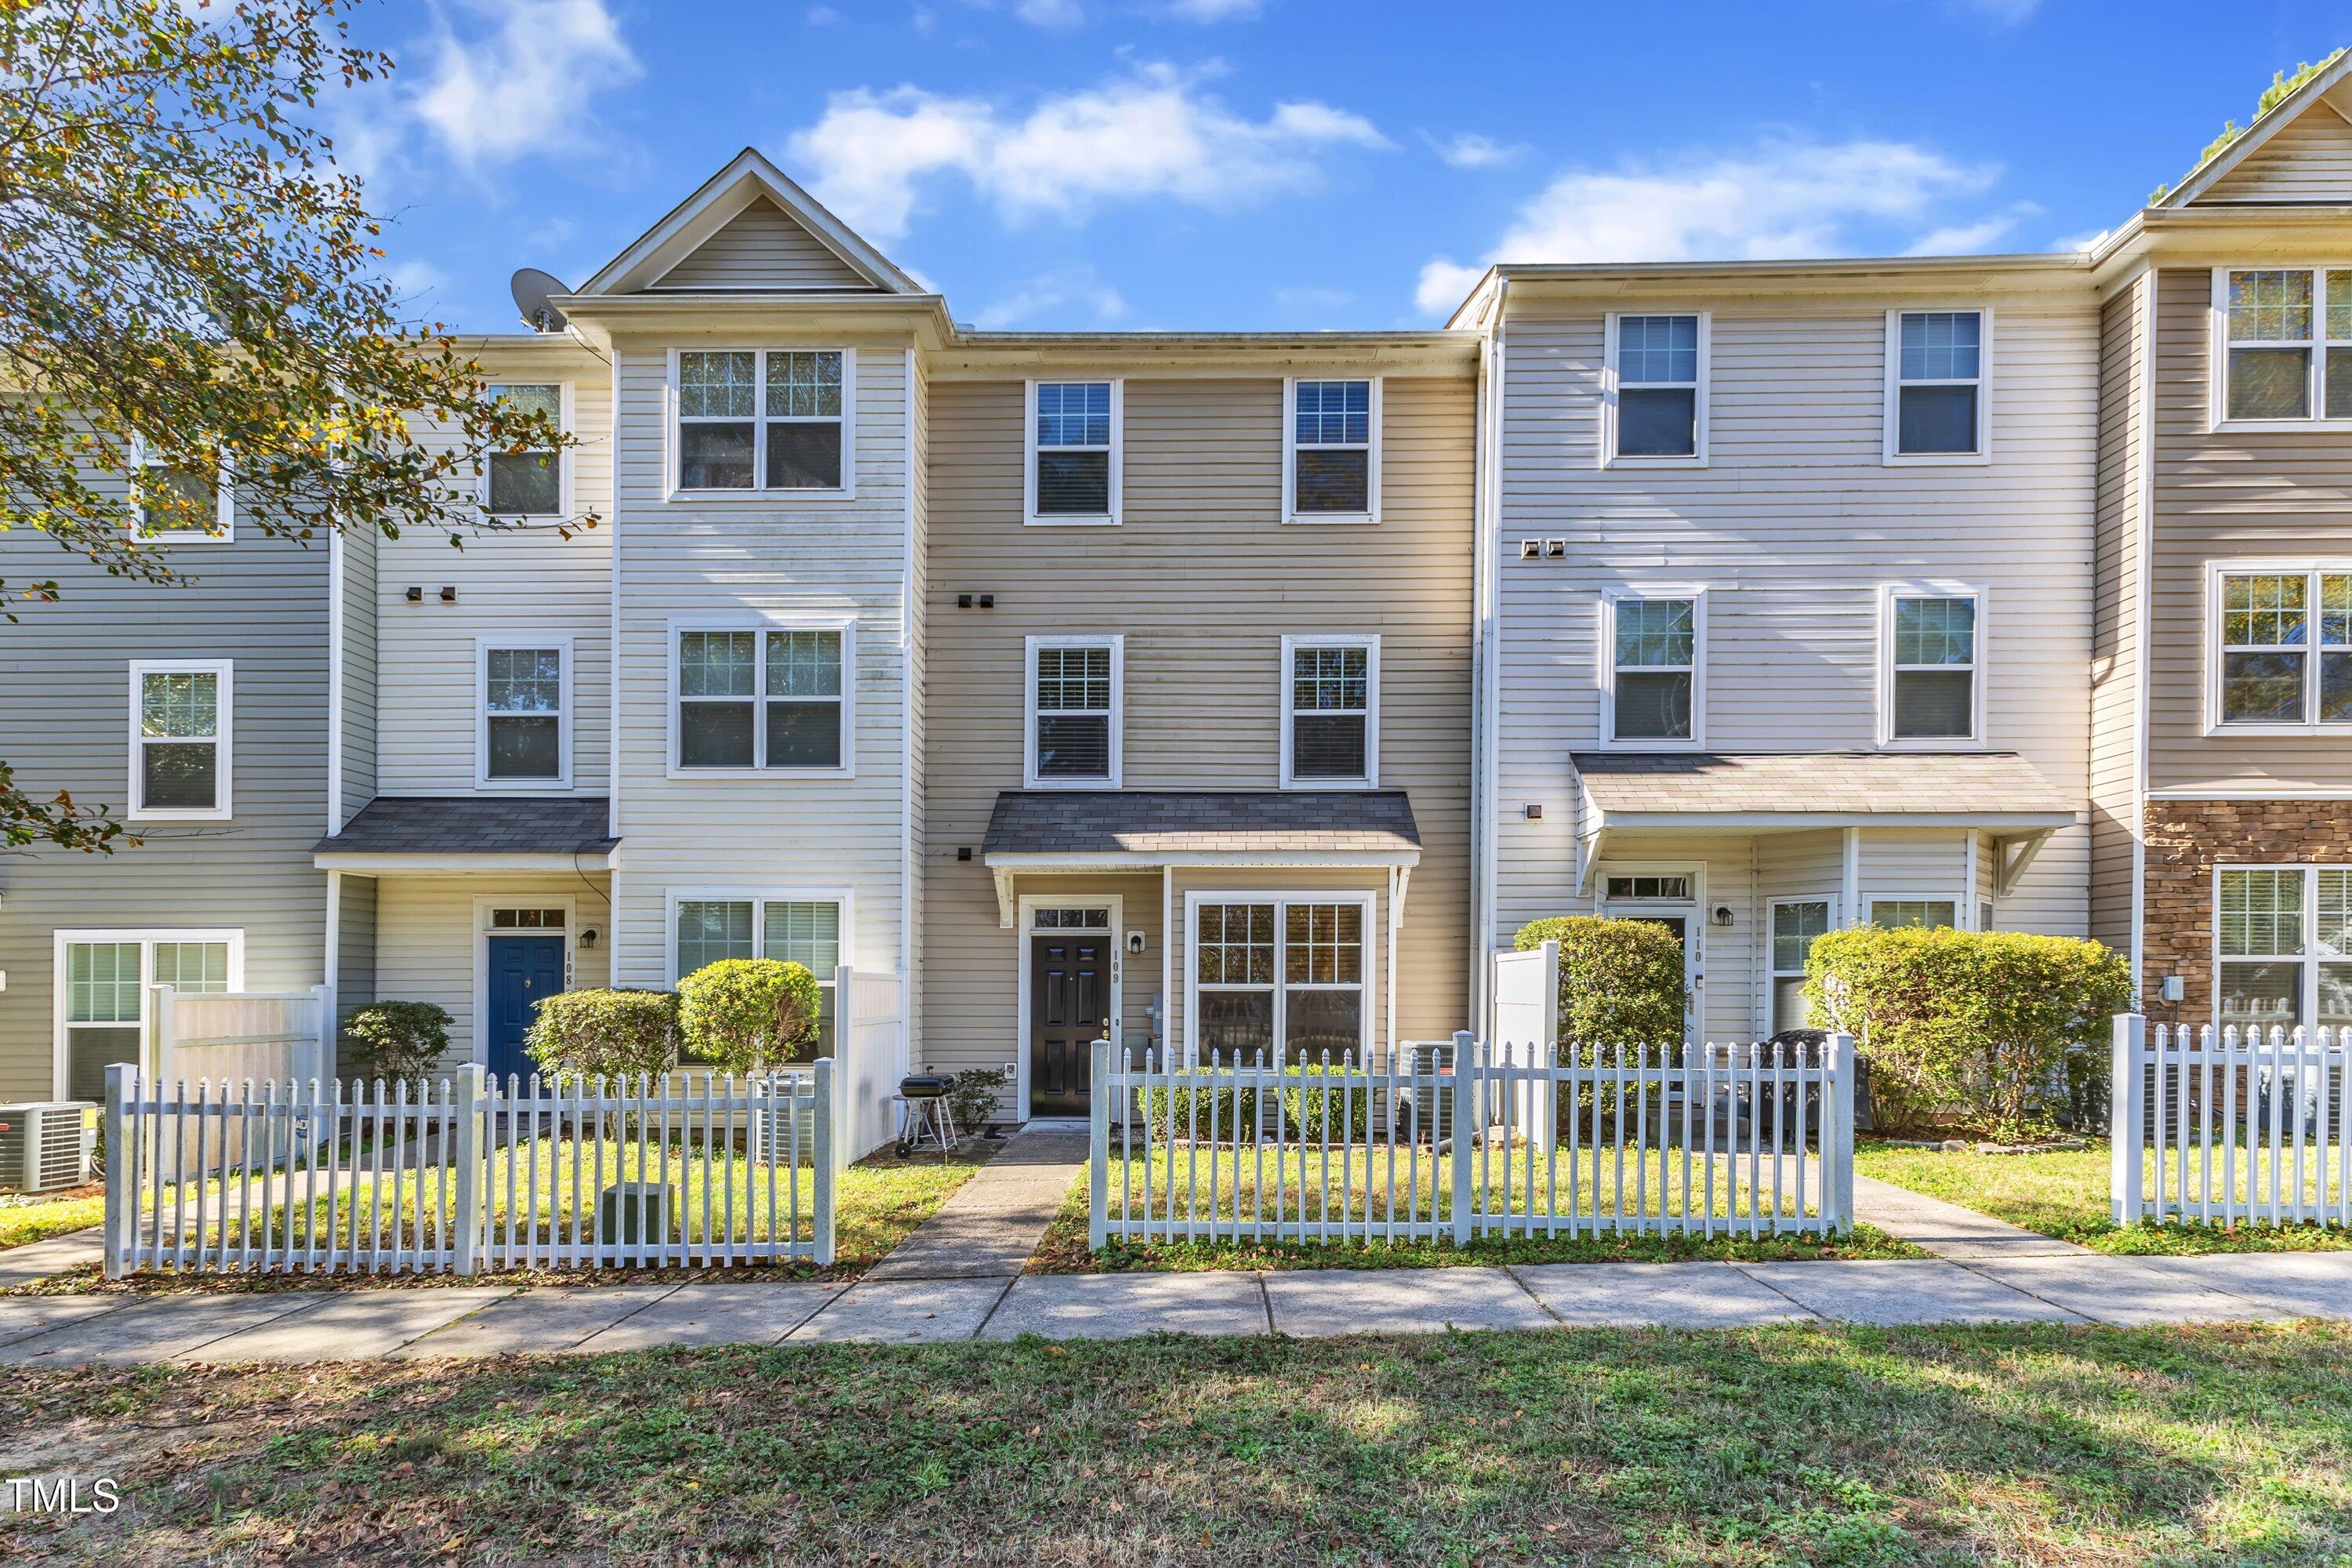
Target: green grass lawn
(2065, 1194)
(37, 1217)
(1811, 1445)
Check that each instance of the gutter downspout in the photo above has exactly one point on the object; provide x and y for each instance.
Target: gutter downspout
(1487, 654)
(2139, 613)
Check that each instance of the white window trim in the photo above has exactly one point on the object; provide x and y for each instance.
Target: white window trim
(2307, 568)
(1889, 593)
(1890, 411)
(2315, 375)
(759, 899)
(223, 531)
(1029, 513)
(1773, 973)
(675, 454)
(1114, 942)
(1960, 911)
(483, 904)
(1605, 666)
(1371, 647)
(846, 625)
(61, 1055)
(2310, 958)
(1116, 643)
(483, 647)
(137, 809)
(1290, 512)
(1366, 901)
(1610, 386)
(564, 501)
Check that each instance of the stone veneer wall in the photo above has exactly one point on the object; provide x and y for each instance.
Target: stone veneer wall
(2186, 838)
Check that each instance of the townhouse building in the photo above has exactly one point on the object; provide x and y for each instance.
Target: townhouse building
(1238, 692)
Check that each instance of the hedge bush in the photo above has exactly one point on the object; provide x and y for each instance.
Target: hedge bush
(1977, 1027)
(399, 1040)
(1621, 981)
(1305, 1107)
(605, 1034)
(747, 1015)
(1224, 1107)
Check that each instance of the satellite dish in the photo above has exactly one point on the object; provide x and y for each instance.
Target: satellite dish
(532, 288)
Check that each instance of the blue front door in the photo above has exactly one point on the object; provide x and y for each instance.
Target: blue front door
(524, 970)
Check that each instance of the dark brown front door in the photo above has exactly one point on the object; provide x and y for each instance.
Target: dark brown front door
(1069, 1010)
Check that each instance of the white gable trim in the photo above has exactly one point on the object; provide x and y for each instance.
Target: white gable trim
(726, 194)
(2289, 109)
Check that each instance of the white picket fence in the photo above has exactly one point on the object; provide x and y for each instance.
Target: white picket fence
(2230, 1127)
(1462, 1138)
(467, 1174)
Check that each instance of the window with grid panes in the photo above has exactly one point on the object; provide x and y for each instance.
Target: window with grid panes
(1935, 668)
(1332, 456)
(1073, 438)
(1331, 711)
(1074, 699)
(1657, 386)
(1656, 662)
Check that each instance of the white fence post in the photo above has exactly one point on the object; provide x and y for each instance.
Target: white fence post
(121, 1195)
(827, 1133)
(1464, 1120)
(1098, 1148)
(1837, 1134)
(2127, 1118)
(472, 1218)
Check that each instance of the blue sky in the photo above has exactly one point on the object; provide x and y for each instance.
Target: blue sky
(1289, 164)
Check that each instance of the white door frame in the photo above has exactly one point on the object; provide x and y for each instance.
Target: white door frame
(1024, 927)
(479, 1032)
(1693, 911)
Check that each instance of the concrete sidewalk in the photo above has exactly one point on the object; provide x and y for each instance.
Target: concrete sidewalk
(430, 1321)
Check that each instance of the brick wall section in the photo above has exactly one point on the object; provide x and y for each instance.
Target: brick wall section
(2186, 838)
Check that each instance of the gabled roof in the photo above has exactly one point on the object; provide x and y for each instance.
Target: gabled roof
(2319, 95)
(746, 178)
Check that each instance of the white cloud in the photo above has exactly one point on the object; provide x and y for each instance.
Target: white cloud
(1470, 150)
(1050, 12)
(1967, 239)
(1787, 198)
(526, 82)
(1210, 11)
(1070, 286)
(822, 16)
(1152, 134)
(2002, 13)
(2087, 240)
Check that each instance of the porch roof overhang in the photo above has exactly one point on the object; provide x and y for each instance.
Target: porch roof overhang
(1999, 792)
(467, 835)
(1055, 830)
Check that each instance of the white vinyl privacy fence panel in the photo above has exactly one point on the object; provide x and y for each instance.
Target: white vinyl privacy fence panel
(466, 1174)
(2230, 1127)
(1462, 1138)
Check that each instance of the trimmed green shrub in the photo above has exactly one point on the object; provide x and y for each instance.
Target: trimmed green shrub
(605, 1034)
(399, 1040)
(747, 1015)
(1981, 1027)
(1305, 1107)
(1223, 1107)
(1621, 981)
(973, 1096)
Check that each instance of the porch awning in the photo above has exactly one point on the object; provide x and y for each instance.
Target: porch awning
(459, 834)
(1998, 792)
(1128, 830)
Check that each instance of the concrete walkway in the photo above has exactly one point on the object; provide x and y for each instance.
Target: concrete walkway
(990, 1226)
(38, 1260)
(1947, 1229)
(431, 1322)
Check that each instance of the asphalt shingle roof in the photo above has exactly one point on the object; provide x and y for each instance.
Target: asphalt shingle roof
(476, 825)
(1167, 822)
(1859, 784)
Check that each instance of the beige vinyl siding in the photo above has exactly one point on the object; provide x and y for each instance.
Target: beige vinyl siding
(1792, 529)
(512, 583)
(2234, 495)
(2308, 160)
(1203, 580)
(429, 939)
(760, 555)
(761, 247)
(916, 612)
(360, 550)
(2117, 628)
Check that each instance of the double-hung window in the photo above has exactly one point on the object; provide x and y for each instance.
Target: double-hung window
(2283, 654)
(2282, 343)
(1658, 389)
(1331, 452)
(181, 505)
(763, 419)
(1272, 973)
(180, 732)
(527, 483)
(1796, 922)
(1331, 713)
(2284, 936)
(526, 712)
(1936, 405)
(1074, 719)
(790, 930)
(774, 699)
(1934, 651)
(1074, 457)
(103, 979)
(1656, 646)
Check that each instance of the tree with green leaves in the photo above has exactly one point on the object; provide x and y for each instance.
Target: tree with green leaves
(2281, 86)
(189, 283)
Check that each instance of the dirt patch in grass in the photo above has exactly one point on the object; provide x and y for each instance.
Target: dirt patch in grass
(2023, 1444)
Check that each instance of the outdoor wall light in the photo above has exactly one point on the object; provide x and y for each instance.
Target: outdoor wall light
(1722, 914)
